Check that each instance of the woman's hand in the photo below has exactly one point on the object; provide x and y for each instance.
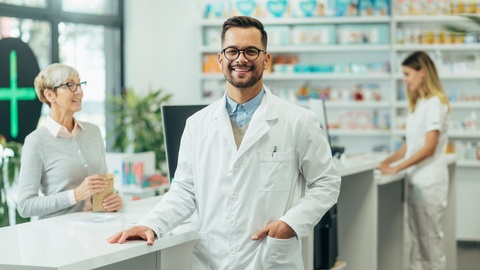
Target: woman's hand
(386, 169)
(113, 202)
(91, 185)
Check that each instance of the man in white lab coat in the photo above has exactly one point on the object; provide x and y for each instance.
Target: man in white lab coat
(257, 169)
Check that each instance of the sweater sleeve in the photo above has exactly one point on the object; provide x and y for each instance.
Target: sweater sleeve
(31, 171)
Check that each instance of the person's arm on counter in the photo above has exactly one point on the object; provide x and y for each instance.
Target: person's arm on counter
(431, 140)
(135, 232)
(397, 155)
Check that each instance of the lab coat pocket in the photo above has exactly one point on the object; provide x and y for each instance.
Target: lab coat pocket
(282, 254)
(201, 252)
(276, 171)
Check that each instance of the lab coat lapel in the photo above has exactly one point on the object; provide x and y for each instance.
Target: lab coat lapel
(259, 124)
(222, 121)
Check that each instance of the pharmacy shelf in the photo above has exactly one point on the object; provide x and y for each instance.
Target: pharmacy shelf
(465, 105)
(451, 134)
(435, 47)
(451, 76)
(430, 19)
(468, 163)
(357, 104)
(311, 20)
(310, 76)
(453, 104)
(359, 133)
(464, 134)
(315, 48)
(327, 76)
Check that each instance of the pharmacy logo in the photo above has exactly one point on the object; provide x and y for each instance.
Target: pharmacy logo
(14, 94)
(19, 106)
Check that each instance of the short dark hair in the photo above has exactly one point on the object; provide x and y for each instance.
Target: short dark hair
(244, 22)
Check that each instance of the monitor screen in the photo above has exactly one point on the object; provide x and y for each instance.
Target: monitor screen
(174, 119)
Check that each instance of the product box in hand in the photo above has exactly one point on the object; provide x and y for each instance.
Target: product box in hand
(97, 199)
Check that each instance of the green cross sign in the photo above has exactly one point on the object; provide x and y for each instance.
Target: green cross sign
(14, 94)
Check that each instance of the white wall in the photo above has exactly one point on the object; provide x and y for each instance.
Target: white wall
(162, 39)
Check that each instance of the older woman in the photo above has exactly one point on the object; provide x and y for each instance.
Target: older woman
(64, 159)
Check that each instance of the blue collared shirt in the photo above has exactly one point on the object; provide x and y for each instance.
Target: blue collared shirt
(241, 114)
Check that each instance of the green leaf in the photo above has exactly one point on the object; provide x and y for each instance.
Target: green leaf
(138, 122)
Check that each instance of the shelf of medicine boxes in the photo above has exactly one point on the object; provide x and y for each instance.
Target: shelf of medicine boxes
(452, 134)
(429, 18)
(354, 105)
(306, 21)
(460, 134)
(310, 48)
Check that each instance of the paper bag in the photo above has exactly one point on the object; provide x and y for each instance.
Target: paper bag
(97, 204)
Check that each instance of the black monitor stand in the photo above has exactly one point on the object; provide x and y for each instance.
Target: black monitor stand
(325, 246)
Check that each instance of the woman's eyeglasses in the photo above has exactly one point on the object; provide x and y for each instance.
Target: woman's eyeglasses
(73, 86)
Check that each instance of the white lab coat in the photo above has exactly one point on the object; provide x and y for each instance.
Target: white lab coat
(238, 192)
(427, 185)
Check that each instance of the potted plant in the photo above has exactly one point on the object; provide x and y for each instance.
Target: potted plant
(10, 155)
(138, 124)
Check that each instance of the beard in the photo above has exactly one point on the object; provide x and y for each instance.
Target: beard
(240, 83)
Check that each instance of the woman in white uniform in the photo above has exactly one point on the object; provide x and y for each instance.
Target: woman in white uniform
(423, 155)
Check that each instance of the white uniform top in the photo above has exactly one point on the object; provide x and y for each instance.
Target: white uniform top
(238, 192)
(430, 114)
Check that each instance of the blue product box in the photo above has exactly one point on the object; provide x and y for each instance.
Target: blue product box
(346, 7)
(322, 68)
(365, 7)
(245, 7)
(278, 35)
(214, 9)
(211, 36)
(363, 34)
(304, 8)
(274, 8)
(381, 7)
(313, 34)
(300, 68)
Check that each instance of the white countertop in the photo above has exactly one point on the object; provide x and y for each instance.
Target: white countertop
(77, 241)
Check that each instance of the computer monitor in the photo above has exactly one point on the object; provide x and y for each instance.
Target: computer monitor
(174, 119)
(318, 106)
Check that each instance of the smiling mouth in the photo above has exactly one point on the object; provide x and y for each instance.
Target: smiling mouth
(242, 69)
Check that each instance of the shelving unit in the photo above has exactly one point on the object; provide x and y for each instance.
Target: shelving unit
(391, 82)
(391, 109)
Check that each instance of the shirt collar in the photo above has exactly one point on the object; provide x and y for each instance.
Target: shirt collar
(58, 130)
(249, 106)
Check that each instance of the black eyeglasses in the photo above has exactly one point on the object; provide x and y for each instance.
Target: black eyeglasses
(73, 86)
(250, 53)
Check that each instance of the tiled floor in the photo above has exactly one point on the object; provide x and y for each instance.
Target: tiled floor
(468, 255)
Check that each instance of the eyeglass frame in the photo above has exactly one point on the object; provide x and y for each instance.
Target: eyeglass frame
(82, 85)
(243, 52)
